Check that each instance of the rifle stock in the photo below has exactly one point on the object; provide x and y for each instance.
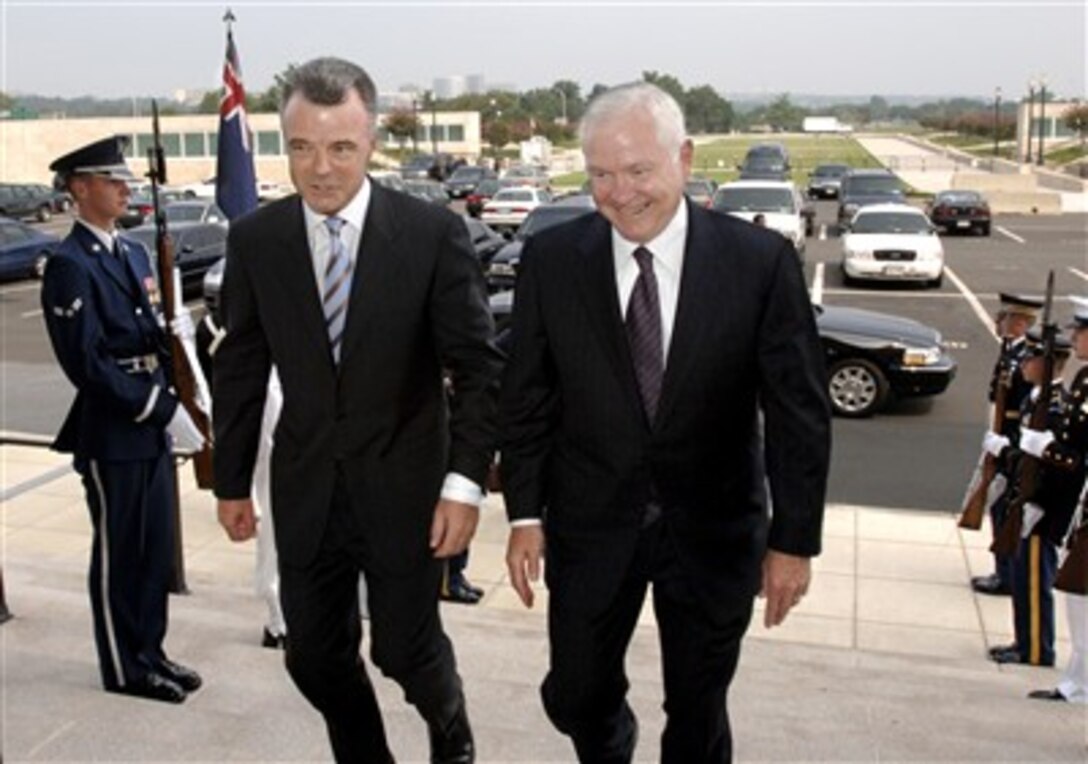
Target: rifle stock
(1073, 574)
(974, 506)
(182, 374)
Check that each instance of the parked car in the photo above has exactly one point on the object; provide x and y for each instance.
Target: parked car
(825, 180)
(509, 207)
(211, 285)
(872, 358)
(527, 175)
(892, 242)
(193, 211)
(59, 199)
(700, 190)
(141, 207)
(204, 189)
(433, 166)
(475, 201)
(24, 250)
(960, 211)
(866, 186)
(389, 179)
(779, 202)
(24, 200)
(765, 161)
(465, 180)
(485, 240)
(502, 272)
(198, 245)
(427, 190)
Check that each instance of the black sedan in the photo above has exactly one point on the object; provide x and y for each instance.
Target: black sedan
(960, 211)
(504, 265)
(197, 247)
(465, 180)
(23, 250)
(871, 357)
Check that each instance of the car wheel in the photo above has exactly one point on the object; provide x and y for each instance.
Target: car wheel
(984, 229)
(38, 268)
(857, 387)
(65, 205)
(847, 279)
(937, 282)
(44, 213)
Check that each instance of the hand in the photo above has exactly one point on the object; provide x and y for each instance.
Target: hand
(994, 444)
(182, 326)
(1033, 513)
(785, 581)
(187, 436)
(1035, 442)
(524, 552)
(453, 527)
(237, 518)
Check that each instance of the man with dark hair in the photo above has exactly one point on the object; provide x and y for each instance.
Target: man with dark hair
(360, 297)
(103, 310)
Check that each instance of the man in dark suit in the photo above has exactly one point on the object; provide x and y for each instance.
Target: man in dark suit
(361, 297)
(103, 311)
(665, 367)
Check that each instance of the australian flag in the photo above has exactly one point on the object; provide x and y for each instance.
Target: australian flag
(235, 180)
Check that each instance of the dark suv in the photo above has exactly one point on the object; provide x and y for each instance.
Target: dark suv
(22, 200)
(765, 161)
(861, 187)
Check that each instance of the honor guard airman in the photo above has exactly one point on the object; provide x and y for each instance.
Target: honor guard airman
(102, 307)
(1047, 511)
(1013, 319)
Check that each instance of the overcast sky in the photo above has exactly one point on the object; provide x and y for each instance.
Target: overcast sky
(848, 47)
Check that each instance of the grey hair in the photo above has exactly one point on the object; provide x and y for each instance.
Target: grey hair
(663, 109)
(326, 81)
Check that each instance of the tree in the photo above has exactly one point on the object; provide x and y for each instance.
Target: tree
(666, 82)
(6, 101)
(1076, 119)
(497, 134)
(784, 115)
(707, 112)
(209, 104)
(402, 124)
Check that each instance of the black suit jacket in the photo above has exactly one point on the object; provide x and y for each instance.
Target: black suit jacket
(577, 449)
(380, 418)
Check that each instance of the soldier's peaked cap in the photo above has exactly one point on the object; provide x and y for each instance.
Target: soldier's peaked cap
(1034, 346)
(1080, 313)
(105, 157)
(1012, 303)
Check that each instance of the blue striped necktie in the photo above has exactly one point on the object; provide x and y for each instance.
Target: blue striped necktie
(643, 323)
(337, 286)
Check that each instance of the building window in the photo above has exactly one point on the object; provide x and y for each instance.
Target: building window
(171, 144)
(213, 144)
(194, 145)
(457, 133)
(268, 143)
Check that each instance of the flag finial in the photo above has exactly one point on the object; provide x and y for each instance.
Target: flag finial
(228, 18)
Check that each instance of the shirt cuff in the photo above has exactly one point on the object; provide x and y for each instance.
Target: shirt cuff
(525, 522)
(459, 488)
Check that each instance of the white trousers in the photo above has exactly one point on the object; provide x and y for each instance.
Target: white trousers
(1074, 682)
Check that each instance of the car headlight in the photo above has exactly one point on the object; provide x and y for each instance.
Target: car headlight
(921, 356)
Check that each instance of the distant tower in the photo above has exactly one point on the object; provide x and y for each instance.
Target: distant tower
(449, 87)
(475, 84)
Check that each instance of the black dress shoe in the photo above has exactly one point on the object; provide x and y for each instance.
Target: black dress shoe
(273, 641)
(1046, 695)
(153, 687)
(1001, 649)
(452, 744)
(991, 584)
(183, 676)
(1012, 655)
(456, 591)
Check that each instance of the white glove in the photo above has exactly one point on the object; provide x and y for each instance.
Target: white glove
(182, 326)
(994, 444)
(1034, 442)
(186, 435)
(1033, 513)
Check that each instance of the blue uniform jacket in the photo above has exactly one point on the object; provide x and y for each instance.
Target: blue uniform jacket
(100, 310)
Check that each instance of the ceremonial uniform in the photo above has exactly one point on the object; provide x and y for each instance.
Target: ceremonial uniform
(1060, 477)
(101, 305)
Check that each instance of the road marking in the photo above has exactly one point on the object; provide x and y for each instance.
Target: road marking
(1010, 234)
(31, 313)
(816, 294)
(982, 314)
(1080, 273)
(21, 288)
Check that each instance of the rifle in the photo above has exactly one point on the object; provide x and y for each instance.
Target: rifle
(182, 376)
(1007, 540)
(1073, 574)
(974, 504)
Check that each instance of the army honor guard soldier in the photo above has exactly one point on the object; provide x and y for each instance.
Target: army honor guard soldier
(102, 309)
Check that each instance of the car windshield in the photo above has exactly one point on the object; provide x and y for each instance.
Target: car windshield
(959, 197)
(754, 200)
(180, 213)
(487, 187)
(467, 173)
(545, 217)
(877, 184)
(521, 172)
(891, 222)
(829, 171)
(514, 195)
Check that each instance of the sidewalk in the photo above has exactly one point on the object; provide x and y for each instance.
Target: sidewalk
(884, 661)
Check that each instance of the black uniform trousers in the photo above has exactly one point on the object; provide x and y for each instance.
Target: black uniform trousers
(585, 688)
(1003, 565)
(407, 643)
(1034, 569)
(130, 505)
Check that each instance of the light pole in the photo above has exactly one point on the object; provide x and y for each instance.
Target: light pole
(415, 125)
(1042, 117)
(997, 117)
(434, 131)
(1031, 116)
(563, 100)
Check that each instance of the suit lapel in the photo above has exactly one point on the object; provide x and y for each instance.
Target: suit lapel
(599, 293)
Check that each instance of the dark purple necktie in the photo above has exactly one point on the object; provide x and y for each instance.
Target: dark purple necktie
(644, 333)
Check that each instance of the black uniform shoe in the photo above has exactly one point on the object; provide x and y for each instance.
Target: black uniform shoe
(153, 687)
(457, 591)
(273, 641)
(1012, 655)
(453, 744)
(183, 676)
(991, 584)
(1001, 649)
(1046, 695)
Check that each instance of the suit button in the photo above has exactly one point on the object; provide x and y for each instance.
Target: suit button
(139, 311)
